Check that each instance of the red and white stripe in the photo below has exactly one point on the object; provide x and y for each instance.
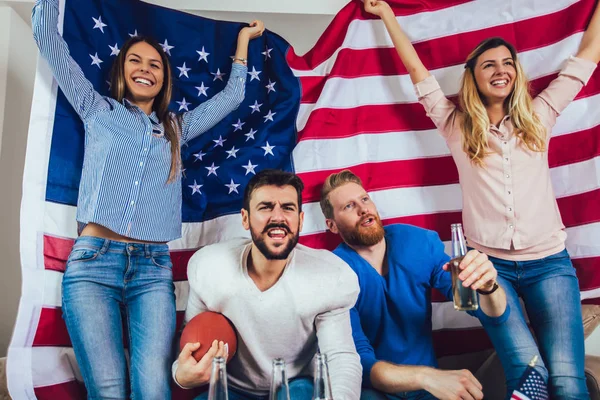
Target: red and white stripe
(358, 111)
(519, 396)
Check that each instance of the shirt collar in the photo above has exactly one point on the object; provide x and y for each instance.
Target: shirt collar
(153, 117)
(504, 121)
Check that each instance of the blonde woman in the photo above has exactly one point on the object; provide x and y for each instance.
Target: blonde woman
(499, 141)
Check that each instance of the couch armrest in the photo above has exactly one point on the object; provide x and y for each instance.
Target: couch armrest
(592, 375)
(591, 318)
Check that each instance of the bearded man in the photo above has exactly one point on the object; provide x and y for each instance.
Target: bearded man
(397, 266)
(285, 300)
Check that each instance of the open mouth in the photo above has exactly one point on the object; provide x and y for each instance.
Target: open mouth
(277, 232)
(499, 83)
(367, 221)
(143, 82)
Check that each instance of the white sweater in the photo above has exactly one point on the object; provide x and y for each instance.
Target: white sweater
(308, 306)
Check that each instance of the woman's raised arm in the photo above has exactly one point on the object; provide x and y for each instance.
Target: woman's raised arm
(78, 90)
(589, 48)
(403, 46)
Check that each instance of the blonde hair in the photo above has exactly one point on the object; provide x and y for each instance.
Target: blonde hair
(333, 182)
(171, 122)
(519, 105)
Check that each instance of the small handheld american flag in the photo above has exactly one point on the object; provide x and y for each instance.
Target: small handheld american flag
(532, 385)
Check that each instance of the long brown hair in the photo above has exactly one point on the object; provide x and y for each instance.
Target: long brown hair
(171, 122)
(519, 106)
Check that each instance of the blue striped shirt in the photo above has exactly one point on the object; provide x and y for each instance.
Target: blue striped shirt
(126, 167)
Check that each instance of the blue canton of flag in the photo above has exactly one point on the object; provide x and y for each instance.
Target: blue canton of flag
(260, 134)
(532, 385)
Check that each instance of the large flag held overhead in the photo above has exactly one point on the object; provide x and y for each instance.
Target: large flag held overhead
(347, 103)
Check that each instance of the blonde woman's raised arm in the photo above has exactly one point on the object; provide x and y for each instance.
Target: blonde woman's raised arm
(403, 46)
(590, 43)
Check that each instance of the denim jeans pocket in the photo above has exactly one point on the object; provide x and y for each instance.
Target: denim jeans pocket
(82, 254)
(162, 260)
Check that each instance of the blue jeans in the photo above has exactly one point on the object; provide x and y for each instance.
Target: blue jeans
(300, 389)
(550, 292)
(106, 283)
(372, 394)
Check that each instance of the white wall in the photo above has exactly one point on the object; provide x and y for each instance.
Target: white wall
(5, 14)
(327, 7)
(300, 30)
(17, 70)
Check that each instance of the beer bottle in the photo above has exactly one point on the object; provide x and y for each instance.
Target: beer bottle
(279, 382)
(322, 384)
(465, 298)
(218, 380)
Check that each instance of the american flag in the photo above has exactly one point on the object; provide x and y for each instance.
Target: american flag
(347, 103)
(532, 385)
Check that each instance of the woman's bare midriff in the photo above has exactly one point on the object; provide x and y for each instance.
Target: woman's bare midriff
(100, 231)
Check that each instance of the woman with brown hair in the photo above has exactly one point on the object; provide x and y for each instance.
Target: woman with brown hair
(129, 206)
(498, 138)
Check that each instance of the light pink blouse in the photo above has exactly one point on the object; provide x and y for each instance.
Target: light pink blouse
(509, 207)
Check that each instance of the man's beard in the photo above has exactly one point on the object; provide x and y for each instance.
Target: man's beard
(364, 236)
(259, 240)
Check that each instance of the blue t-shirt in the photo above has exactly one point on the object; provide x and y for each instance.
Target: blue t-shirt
(391, 320)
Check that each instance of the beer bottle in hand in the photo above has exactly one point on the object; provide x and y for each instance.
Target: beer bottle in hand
(280, 389)
(218, 380)
(465, 298)
(322, 384)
